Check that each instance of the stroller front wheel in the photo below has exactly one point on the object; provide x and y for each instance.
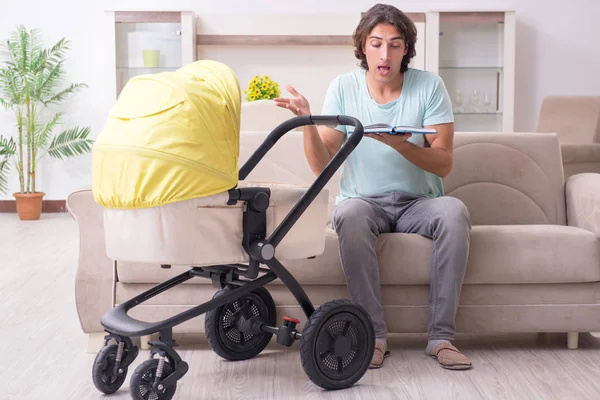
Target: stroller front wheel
(337, 346)
(225, 330)
(105, 378)
(143, 380)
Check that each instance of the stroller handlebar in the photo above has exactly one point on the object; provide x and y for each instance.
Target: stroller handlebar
(325, 175)
(297, 122)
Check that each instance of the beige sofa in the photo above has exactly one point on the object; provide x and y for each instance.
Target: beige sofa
(534, 264)
(576, 120)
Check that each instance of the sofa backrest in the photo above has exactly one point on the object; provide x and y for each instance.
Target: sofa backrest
(503, 178)
(576, 119)
(508, 178)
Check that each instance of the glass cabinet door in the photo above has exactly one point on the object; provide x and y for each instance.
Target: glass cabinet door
(146, 42)
(470, 56)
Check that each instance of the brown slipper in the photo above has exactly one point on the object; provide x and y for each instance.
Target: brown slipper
(379, 356)
(450, 357)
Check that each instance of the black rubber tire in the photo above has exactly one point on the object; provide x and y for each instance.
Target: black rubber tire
(142, 380)
(228, 344)
(348, 322)
(102, 370)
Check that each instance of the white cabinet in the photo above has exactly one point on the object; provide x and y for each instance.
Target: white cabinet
(145, 42)
(474, 53)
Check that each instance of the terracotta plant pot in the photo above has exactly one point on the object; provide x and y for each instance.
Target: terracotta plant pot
(29, 205)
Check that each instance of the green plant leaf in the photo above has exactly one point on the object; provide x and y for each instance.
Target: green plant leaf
(8, 148)
(47, 81)
(70, 143)
(60, 96)
(4, 175)
(57, 53)
(12, 87)
(43, 135)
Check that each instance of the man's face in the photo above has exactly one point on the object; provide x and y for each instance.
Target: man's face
(384, 49)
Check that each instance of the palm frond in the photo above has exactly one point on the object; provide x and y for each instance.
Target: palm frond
(43, 135)
(60, 96)
(14, 48)
(57, 53)
(36, 43)
(4, 175)
(38, 60)
(20, 47)
(69, 143)
(11, 86)
(49, 80)
(8, 147)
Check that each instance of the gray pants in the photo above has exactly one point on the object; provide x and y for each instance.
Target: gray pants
(445, 220)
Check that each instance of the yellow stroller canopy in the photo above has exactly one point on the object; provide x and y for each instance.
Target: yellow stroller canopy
(170, 137)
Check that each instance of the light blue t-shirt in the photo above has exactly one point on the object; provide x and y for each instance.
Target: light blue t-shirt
(374, 167)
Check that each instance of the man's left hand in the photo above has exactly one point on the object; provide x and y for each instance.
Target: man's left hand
(397, 141)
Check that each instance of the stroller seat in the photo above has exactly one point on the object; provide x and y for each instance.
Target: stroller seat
(206, 231)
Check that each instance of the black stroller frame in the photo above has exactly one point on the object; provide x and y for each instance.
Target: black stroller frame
(338, 338)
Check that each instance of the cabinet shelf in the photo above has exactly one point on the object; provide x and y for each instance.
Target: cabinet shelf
(478, 113)
(274, 40)
(150, 70)
(471, 67)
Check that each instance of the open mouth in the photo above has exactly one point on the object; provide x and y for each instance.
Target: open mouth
(384, 69)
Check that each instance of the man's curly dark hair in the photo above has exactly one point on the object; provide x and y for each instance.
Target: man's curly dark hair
(384, 13)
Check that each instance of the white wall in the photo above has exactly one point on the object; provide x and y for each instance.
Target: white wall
(557, 53)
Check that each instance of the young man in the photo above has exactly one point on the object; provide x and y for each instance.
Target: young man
(392, 183)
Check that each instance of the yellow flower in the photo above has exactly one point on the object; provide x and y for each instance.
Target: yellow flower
(262, 88)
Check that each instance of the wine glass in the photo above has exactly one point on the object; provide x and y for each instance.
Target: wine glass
(487, 102)
(475, 100)
(458, 101)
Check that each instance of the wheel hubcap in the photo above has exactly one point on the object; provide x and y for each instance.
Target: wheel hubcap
(339, 346)
(342, 346)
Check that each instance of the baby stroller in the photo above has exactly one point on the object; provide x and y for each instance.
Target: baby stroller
(165, 173)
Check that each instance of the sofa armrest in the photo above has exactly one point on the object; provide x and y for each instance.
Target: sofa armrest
(583, 201)
(580, 153)
(94, 278)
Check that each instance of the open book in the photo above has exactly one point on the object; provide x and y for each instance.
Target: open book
(393, 130)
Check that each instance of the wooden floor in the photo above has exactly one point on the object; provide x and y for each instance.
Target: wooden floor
(44, 349)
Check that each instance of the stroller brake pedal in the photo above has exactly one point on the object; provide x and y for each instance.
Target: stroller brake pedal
(287, 333)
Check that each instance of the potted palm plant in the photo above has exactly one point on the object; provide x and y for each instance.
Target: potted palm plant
(31, 87)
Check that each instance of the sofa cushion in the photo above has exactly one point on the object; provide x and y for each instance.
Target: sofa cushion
(499, 254)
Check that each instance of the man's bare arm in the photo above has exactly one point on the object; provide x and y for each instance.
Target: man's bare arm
(437, 159)
(321, 143)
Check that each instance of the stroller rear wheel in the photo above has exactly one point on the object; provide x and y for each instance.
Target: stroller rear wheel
(337, 346)
(231, 329)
